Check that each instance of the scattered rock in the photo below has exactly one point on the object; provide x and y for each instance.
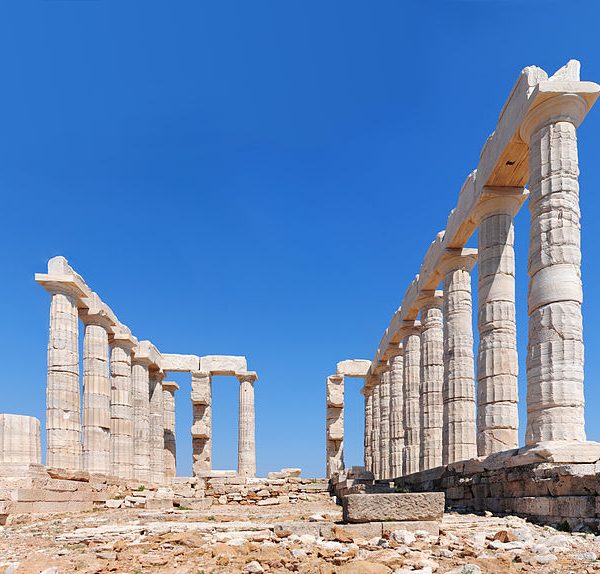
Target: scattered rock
(505, 536)
(364, 567)
(253, 567)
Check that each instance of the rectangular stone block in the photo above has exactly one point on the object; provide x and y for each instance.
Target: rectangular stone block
(180, 363)
(393, 507)
(223, 364)
(354, 368)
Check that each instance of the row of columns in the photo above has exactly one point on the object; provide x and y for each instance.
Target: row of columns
(202, 424)
(122, 428)
(421, 411)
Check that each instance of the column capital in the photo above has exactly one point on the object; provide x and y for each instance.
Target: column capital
(97, 317)
(430, 298)
(564, 107)
(394, 352)
(410, 328)
(170, 386)
(146, 353)
(495, 200)
(156, 375)
(455, 259)
(68, 284)
(335, 377)
(249, 377)
(124, 340)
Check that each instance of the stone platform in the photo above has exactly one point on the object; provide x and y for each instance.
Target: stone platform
(543, 484)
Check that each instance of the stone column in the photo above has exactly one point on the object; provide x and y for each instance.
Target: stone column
(396, 413)
(63, 411)
(141, 418)
(170, 447)
(459, 432)
(202, 423)
(96, 393)
(497, 360)
(375, 427)
(432, 379)
(368, 455)
(121, 406)
(246, 426)
(555, 348)
(157, 427)
(335, 425)
(384, 425)
(412, 394)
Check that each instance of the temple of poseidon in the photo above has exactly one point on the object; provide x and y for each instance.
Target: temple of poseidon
(439, 418)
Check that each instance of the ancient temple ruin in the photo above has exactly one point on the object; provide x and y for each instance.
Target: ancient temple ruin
(127, 425)
(439, 415)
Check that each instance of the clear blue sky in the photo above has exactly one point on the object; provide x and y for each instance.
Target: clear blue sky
(259, 178)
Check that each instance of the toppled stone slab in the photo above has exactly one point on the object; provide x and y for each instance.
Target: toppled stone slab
(393, 507)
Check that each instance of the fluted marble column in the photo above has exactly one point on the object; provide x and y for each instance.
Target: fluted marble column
(334, 424)
(459, 432)
(396, 413)
(141, 418)
(202, 422)
(368, 455)
(63, 411)
(170, 446)
(384, 425)
(375, 428)
(412, 391)
(432, 379)
(555, 348)
(96, 394)
(246, 428)
(121, 406)
(157, 427)
(497, 360)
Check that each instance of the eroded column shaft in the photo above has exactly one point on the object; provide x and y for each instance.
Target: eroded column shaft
(368, 455)
(246, 429)
(555, 399)
(384, 426)
(497, 361)
(202, 422)
(432, 381)
(96, 400)
(375, 430)
(335, 424)
(121, 412)
(412, 410)
(459, 440)
(396, 415)
(170, 445)
(63, 422)
(157, 428)
(141, 420)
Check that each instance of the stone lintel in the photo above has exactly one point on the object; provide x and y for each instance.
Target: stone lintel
(224, 365)
(354, 368)
(180, 363)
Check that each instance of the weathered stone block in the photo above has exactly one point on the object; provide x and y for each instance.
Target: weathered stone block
(397, 506)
